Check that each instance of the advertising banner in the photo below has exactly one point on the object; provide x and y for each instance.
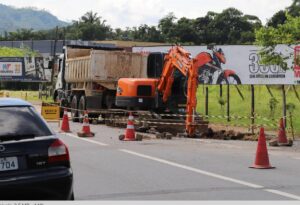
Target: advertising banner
(242, 65)
(11, 69)
(27, 69)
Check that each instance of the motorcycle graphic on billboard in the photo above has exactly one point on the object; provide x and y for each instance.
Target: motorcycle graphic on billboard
(213, 73)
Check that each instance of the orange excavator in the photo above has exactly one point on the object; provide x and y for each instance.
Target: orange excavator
(149, 92)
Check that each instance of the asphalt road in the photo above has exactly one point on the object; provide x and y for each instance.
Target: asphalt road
(178, 169)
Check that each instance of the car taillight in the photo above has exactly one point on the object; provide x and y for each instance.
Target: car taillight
(58, 152)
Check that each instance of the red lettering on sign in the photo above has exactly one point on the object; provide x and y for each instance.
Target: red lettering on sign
(297, 71)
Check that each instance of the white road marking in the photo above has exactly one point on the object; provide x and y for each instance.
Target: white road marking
(297, 158)
(194, 169)
(210, 174)
(87, 140)
(288, 195)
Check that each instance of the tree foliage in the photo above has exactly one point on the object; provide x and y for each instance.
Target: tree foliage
(280, 17)
(294, 9)
(269, 37)
(230, 26)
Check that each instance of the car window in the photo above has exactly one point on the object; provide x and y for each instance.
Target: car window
(22, 121)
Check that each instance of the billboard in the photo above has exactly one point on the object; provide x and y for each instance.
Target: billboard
(27, 69)
(242, 64)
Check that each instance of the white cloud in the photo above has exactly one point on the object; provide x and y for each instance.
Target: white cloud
(128, 13)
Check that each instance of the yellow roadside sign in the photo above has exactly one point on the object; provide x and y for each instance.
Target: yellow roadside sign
(50, 112)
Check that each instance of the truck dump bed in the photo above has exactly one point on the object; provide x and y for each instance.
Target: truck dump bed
(104, 67)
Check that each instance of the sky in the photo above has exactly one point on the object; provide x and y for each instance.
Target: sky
(129, 13)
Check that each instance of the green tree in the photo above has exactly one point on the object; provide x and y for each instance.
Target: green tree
(90, 17)
(278, 19)
(202, 29)
(185, 30)
(21, 34)
(269, 37)
(294, 9)
(230, 27)
(167, 26)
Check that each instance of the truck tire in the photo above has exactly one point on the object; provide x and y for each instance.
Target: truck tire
(74, 109)
(82, 108)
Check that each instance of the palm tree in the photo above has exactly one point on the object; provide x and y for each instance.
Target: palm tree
(90, 17)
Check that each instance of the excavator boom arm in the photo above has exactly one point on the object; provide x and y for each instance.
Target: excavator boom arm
(177, 58)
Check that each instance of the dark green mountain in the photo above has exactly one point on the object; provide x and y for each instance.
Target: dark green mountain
(12, 19)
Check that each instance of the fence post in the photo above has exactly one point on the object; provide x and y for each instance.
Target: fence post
(284, 104)
(228, 103)
(252, 108)
(296, 93)
(206, 101)
(269, 90)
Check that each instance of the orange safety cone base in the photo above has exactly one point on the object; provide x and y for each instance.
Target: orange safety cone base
(262, 167)
(129, 139)
(85, 135)
(284, 144)
(62, 131)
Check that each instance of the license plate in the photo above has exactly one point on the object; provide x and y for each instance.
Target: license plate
(8, 164)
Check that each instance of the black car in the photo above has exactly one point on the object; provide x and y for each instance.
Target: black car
(34, 162)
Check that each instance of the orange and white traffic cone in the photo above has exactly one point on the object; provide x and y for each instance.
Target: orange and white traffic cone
(282, 138)
(86, 131)
(130, 132)
(262, 156)
(65, 127)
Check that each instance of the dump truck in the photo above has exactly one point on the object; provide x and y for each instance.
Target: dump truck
(88, 76)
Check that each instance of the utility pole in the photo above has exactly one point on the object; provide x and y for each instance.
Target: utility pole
(54, 61)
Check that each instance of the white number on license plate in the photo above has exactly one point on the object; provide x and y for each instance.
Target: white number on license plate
(8, 163)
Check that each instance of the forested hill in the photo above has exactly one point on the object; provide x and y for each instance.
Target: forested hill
(12, 19)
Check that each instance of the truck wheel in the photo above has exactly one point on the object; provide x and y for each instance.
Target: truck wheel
(82, 108)
(74, 109)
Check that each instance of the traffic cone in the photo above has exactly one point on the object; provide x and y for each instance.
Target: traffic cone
(86, 131)
(282, 138)
(65, 127)
(262, 157)
(129, 133)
